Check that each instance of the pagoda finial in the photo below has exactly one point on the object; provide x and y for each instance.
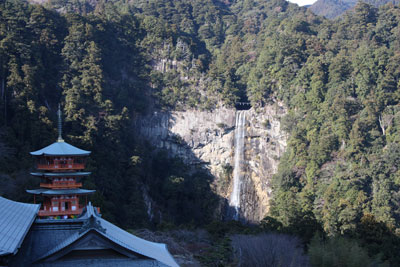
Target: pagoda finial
(60, 139)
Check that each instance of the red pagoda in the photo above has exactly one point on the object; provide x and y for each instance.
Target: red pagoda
(61, 166)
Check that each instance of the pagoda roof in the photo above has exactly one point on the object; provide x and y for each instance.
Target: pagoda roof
(15, 221)
(60, 148)
(53, 192)
(60, 174)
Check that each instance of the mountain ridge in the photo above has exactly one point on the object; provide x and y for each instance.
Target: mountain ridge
(335, 8)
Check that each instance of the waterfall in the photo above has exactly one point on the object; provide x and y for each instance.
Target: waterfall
(240, 132)
(148, 202)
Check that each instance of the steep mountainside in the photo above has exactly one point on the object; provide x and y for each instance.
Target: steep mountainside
(331, 8)
(112, 64)
(334, 8)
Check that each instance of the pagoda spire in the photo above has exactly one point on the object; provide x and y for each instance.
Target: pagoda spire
(60, 139)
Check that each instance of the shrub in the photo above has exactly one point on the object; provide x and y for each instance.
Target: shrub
(339, 252)
(268, 250)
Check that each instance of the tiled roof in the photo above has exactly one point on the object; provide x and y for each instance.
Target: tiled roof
(60, 174)
(15, 220)
(156, 251)
(49, 238)
(152, 250)
(52, 192)
(60, 148)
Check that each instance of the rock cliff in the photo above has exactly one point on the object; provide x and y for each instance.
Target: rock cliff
(207, 139)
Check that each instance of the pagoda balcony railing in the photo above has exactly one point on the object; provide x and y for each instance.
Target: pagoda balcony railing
(68, 166)
(44, 213)
(61, 185)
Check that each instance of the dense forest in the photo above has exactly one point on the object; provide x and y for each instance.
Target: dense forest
(108, 62)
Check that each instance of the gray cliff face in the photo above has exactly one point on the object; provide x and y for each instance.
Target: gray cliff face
(265, 144)
(207, 138)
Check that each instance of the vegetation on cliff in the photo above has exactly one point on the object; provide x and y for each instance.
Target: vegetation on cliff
(98, 68)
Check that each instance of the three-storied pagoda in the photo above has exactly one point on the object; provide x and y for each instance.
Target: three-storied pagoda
(61, 166)
(30, 236)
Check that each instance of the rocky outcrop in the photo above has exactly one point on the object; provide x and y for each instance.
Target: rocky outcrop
(207, 139)
(265, 144)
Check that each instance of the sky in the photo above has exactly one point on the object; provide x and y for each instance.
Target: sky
(303, 2)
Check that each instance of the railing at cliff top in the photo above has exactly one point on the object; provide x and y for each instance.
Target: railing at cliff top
(242, 105)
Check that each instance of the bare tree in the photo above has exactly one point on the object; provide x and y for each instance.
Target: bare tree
(269, 250)
(385, 121)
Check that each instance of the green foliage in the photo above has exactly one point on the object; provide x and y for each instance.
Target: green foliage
(221, 251)
(219, 229)
(109, 61)
(97, 67)
(376, 236)
(220, 254)
(339, 252)
(271, 224)
(221, 125)
(339, 165)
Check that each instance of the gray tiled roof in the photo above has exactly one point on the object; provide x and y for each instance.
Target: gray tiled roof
(104, 263)
(110, 231)
(60, 148)
(152, 250)
(48, 238)
(43, 236)
(52, 192)
(60, 174)
(15, 220)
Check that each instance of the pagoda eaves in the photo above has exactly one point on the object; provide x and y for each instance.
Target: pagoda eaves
(61, 148)
(56, 192)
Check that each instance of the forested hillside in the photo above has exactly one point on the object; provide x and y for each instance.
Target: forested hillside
(107, 62)
(98, 68)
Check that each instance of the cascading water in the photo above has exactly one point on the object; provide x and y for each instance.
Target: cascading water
(240, 132)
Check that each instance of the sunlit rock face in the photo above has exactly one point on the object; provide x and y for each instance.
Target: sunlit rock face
(207, 139)
(264, 146)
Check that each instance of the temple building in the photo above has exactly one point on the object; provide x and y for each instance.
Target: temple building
(63, 232)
